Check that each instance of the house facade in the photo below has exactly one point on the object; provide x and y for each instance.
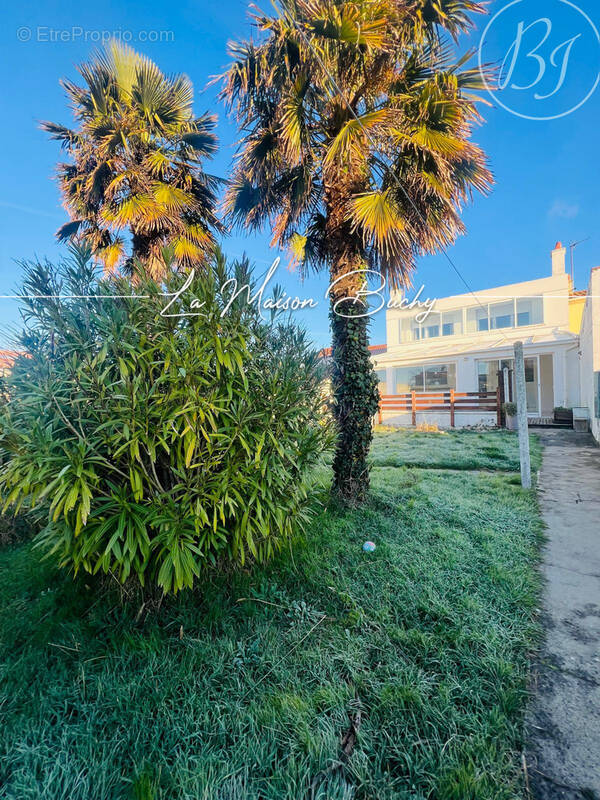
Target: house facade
(467, 340)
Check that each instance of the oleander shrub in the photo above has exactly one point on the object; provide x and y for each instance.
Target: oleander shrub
(12, 529)
(158, 445)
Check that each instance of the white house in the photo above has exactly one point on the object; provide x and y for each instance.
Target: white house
(466, 339)
(589, 354)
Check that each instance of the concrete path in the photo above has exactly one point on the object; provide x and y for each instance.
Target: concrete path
(563, 722)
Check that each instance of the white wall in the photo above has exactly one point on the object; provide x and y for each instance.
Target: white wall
(590, 349)
(555, 291)
(573, 387)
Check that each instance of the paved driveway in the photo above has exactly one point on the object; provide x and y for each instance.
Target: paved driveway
(563, 723)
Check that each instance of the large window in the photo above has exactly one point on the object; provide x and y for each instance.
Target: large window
(515, 313)
(446, 323)
(408, 379)
(440, 377)
(430, 378)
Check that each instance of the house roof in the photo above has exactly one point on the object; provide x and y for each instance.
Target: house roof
(415, 352)
(373, 348)
(7, 358)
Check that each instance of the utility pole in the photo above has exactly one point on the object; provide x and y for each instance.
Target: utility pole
(522, 416)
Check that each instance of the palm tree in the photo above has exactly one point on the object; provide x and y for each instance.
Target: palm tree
(136, 164)
(356, 148)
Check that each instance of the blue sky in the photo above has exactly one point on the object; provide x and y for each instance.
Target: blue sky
(547, 172)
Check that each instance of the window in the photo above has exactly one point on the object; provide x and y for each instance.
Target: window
(406, 329)
(477, 319)
(430, 328)
(530, 311)
(509, 314)
(502, 315)
(487, 373)
(382, 382)
(489, 317)
(431, 378)
(448, 323)
(408, 379)
(452, 323)
(439, 377)
(487, 376)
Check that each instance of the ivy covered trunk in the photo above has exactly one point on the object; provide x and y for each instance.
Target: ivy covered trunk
(355, 395)
(353, 380)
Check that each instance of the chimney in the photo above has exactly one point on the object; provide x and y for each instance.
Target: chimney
(559, 256)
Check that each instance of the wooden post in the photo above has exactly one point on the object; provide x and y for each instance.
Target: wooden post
(413, 408)
(380, 414)
(499, 406)
(522, 416)
(452, 408)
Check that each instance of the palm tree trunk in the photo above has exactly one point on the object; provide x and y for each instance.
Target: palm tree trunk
(354, 383)
(353, 380)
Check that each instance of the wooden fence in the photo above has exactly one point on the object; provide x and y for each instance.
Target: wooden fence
(450, 401)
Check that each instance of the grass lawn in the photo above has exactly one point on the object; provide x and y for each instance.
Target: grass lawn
(243, 691)
(497, 450)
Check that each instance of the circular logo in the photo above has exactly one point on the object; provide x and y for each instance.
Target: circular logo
(547, 54)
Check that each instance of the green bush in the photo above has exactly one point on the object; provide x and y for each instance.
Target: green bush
(158, 446)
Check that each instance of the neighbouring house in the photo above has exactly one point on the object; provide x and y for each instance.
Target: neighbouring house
(467, 340)
(7, 359)
(589, 354)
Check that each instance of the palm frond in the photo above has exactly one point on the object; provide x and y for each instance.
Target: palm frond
(68, 230)
(378, 219)
(352, 138)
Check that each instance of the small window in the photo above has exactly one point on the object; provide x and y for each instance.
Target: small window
(430, 329)
(530, 311)
(477, 319)
(502, 315)
(406, 329)
(451, 323)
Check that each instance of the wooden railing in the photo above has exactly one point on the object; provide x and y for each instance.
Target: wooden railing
(450, 401)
